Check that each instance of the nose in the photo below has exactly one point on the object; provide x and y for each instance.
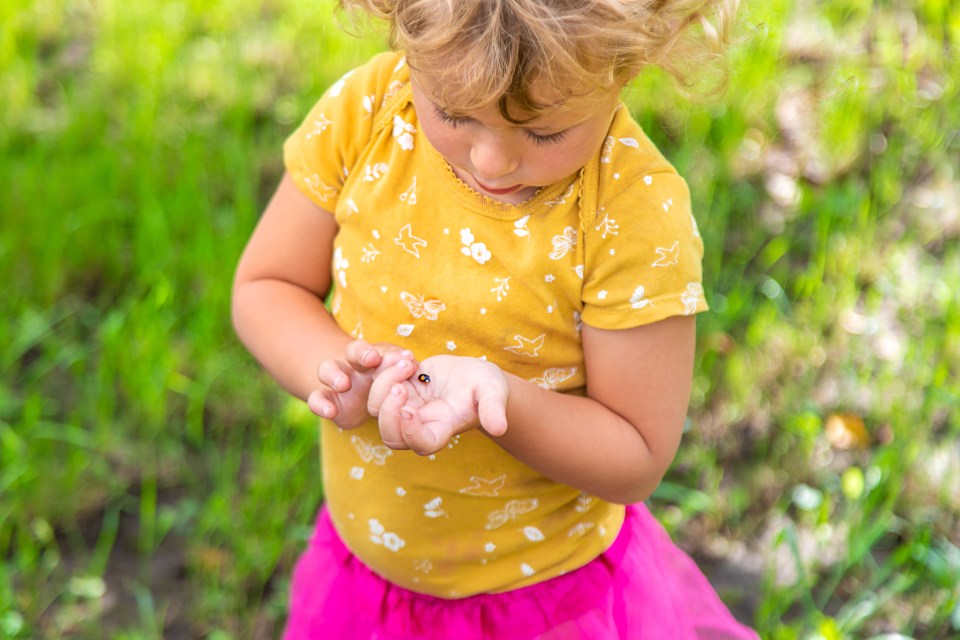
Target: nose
(494, 155)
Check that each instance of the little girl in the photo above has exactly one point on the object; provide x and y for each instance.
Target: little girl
(507, 356)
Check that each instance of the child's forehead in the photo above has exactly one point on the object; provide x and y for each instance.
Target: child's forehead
(560, 107)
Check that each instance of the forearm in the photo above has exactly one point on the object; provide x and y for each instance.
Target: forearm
(288, 330)
(580, 442)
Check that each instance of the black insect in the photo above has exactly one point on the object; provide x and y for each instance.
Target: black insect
(423, 377)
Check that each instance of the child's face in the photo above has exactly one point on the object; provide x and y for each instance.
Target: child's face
(509, 162)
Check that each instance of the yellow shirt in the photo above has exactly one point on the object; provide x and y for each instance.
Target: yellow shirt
(423, 261)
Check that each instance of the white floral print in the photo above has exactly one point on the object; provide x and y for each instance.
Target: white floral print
(422, 308)
(403, 131)
(691, 297)
(563, 243)
(510, 512)
(638, 300)
(476, 250)
(379, 535)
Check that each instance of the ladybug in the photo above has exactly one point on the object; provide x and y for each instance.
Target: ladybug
(423, 377)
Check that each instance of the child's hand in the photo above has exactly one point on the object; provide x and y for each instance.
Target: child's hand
(345, 385)
(448, 395)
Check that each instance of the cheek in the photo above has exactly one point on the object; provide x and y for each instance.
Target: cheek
(442, 139)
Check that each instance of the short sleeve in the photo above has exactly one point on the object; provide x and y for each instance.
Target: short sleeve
(643, 255)
(322, 151)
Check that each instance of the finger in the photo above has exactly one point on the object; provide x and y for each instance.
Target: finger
(418, 436)
(390, 358)
(362, 356)
(323, 404)
(384, 382)
(390, 418)
(492, 409)
(331, 373)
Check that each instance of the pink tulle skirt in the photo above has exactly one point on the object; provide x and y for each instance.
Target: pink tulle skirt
(643, 587)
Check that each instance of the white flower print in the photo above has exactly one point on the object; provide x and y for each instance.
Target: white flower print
(423, 565)
(579, 271)
(607, 152)
(356, 473)
(392, 89)
(379, 535)
(479, 252)
(503, 286)
(630, 142)
(549, 278)
(562, 199)
(527, 570)
(648, 180)
(526, 346)
(392, 541)
(533, 534)
(510, 512)
(520, 227)
(489, 547)
(552, 378)
(602, 294)
(352, 206)
(584, 501)
(403, 131)
(638, 300)
(374, 171)
(667, 204)
(563, 243)
(320, 125)
(696, 229)
(370, 253)
(609, 226)
(433, 509)
(376, 454)
(577, 322)
(668, 256)
(368, 104)
(476, 250)
(340, 265)
(405, 330)
(580, 529)
(451, 345)
(337, 86)
(421, 308)
(410, 195)
(691, 297)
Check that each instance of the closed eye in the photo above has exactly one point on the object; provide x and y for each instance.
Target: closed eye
(443, 116)
(540, 140)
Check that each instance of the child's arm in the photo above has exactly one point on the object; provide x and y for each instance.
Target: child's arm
(615, 443)
(278, 311)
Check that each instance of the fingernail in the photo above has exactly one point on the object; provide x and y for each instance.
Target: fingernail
(325, 412)
(402, 364)
(395, 390)
(338, 381)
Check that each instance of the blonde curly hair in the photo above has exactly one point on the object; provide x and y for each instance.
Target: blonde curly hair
(477, 52)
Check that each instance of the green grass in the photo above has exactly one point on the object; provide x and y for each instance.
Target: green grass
(145, 461)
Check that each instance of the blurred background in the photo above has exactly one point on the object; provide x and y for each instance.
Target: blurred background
(155, 483)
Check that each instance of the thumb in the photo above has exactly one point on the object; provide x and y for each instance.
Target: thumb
(492, 408)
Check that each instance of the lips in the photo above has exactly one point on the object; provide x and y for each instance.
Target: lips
(499, 192)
